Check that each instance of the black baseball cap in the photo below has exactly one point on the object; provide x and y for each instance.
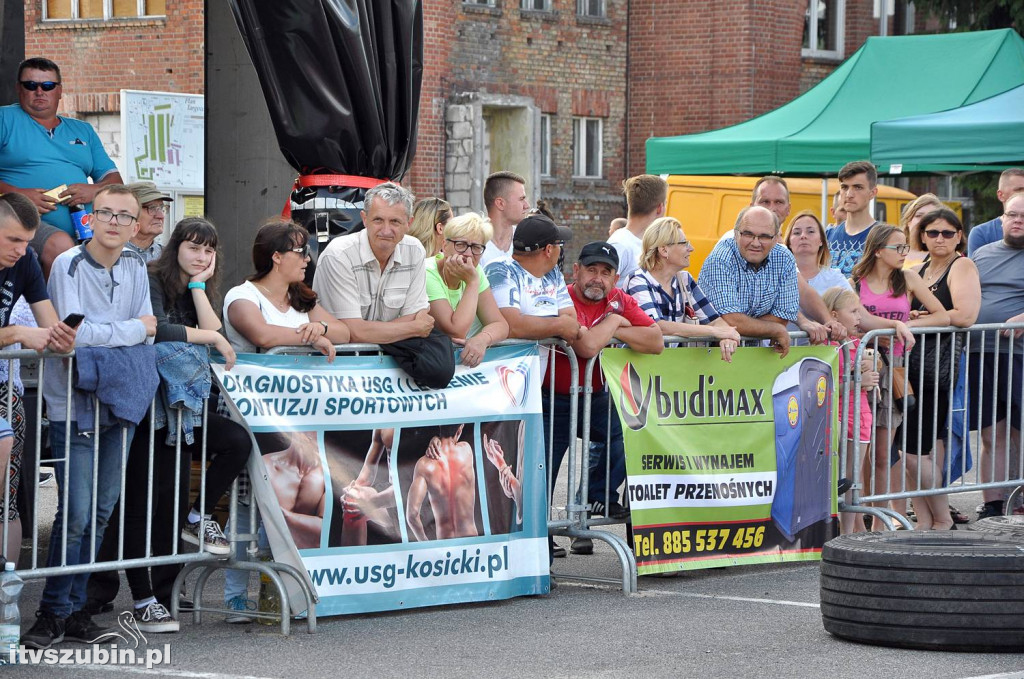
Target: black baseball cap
(599, 251)
(536, 232)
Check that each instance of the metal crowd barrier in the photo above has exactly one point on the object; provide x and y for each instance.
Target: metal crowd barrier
(33, 460)
(884, 488)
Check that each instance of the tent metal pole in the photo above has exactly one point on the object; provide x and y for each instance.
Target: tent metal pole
(824, 200)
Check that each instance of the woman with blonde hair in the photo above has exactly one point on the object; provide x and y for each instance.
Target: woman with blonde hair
(667, 292)
(458, 291)
(805, 238)
(428, 220)
(912, 215)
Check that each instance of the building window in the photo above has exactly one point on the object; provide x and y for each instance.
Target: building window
(545, 145)
(536, 5)
(70, 10)
(823, 29)
(590, 8)
(483, 3)
(586, 145)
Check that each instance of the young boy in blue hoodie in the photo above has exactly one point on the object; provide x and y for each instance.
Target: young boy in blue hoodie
(109, 286)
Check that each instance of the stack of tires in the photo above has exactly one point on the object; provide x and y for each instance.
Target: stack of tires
(940, 590)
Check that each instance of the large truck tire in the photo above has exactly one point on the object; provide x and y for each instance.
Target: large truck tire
(936, 590)
(1010, 526)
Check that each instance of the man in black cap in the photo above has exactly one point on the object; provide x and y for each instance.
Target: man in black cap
(605, 314)
(529, 288)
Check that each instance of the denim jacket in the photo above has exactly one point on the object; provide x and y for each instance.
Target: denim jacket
(122, 378)
(184, 384)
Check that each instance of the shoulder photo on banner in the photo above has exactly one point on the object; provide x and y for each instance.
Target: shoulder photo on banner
(389, 494)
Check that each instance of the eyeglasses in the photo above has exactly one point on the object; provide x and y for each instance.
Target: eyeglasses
(935, 233)
(106, 216)
(763, 238)
(300, 251)
(681, 242)
(156, 210)
(1013, 216)
(559, 243)
(33, 85)
(463, 245)
(900, 249)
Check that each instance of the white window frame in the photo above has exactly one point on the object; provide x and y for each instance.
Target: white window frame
(545, 144)
(108, 12)
(580, 154)
(479, 3)
(583, 7)
(530, 5)
(812, 49)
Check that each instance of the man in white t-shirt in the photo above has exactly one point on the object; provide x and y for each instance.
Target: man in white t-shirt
(646, 195)
(507, 205)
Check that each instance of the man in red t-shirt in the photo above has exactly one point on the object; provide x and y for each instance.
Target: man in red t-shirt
(605, 314)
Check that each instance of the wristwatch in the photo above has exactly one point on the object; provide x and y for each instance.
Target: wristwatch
(324, 323)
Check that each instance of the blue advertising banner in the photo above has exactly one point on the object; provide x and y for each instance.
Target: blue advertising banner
(392, 495)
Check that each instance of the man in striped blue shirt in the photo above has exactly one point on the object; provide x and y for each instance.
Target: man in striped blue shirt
(751, 283)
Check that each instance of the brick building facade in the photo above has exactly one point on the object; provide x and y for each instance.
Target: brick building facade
(565, 92)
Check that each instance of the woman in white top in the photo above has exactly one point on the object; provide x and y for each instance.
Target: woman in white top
(805, 238)
(275, 307)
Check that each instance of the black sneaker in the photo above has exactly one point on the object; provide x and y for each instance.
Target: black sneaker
(615, 510)
(47, 630)
(80, 627)
(991, 508)
(582, 546)
(94, 607)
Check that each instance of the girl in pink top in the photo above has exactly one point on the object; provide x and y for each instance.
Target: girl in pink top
(844, 306)
(885, 290)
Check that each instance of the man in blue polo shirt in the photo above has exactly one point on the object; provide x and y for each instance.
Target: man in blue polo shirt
(40, 150)
(1010, 182)
(751, 283)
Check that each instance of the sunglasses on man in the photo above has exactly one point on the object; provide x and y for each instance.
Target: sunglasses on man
(33, 85)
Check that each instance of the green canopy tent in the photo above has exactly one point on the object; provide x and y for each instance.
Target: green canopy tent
(829, 125)
(987, 135)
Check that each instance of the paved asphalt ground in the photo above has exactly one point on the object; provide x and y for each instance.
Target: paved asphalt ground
(757, 621)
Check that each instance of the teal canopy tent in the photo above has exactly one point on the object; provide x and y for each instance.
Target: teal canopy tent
(830, 125)
(981, 136)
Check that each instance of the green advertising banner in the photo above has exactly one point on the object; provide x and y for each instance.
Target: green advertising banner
(728, 463)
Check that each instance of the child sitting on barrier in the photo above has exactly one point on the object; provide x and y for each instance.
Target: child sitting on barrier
(844, 307)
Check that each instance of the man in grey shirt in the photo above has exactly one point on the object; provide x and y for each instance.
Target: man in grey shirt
(375, 280)
(1000, 267)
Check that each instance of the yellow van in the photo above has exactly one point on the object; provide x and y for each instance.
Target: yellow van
(707, 206)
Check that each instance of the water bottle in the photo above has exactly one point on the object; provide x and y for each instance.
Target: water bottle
(80, 218)
(10, 617)
(269, 599)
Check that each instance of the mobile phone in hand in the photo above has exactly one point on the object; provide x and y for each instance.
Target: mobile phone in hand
(73, 320)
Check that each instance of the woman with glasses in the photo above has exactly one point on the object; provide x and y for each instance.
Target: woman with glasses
(887, 290)
(459, 293)
(913, 213)
(275, 307)
(669, 295)
(428, 221)
(953, 279)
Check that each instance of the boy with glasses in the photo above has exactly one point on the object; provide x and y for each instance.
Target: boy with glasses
(110, 288)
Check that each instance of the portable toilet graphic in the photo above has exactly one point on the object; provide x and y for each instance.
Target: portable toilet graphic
(802, 400)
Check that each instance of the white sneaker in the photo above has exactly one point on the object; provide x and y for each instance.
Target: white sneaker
(213, 537)
(155, 618)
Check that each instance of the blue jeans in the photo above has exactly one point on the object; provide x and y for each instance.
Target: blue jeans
(598, 482)
(65, 594)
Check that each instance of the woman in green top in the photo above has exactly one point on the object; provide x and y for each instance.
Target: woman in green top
(460, 296)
